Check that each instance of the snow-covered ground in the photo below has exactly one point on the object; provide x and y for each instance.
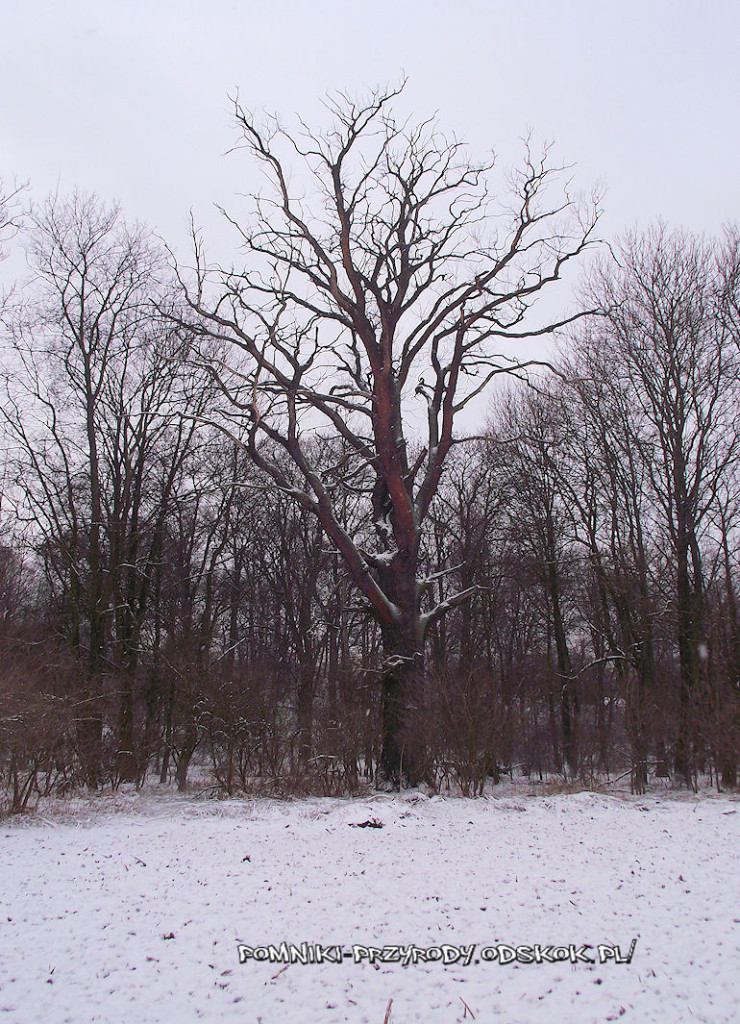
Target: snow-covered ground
(131, 909)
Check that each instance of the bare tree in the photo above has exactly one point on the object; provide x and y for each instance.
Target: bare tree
(529, 432)
(378, 281)
(93, 396)
(10, 221)
(663, 340)
(9, 213)
(606, 484)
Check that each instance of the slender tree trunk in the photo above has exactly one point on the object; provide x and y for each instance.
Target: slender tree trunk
(729, 713)
(186, 754)
(169, 710)
(685, 755)
(306, 692)
(128, 767)
(569, 707)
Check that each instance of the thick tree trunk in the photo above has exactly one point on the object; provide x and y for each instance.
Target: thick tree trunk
(403, 725)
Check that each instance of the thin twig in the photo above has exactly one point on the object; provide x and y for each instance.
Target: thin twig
(467, 1009)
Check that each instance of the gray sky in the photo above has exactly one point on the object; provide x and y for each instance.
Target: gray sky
(129, 99)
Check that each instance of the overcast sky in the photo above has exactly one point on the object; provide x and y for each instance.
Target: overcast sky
(130, 99)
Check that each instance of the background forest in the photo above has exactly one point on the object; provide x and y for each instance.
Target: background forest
(197, 537)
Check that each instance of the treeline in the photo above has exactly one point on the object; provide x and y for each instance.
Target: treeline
(161, 600)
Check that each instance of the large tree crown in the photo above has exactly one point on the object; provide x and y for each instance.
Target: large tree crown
(380, 275)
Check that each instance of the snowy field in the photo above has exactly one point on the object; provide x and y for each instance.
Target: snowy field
(132, 909)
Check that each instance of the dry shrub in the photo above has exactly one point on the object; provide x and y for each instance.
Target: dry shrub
(255, 746)
(36, 752)
(459, 731)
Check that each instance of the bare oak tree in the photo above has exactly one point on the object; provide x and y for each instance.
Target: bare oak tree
(380, 276)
